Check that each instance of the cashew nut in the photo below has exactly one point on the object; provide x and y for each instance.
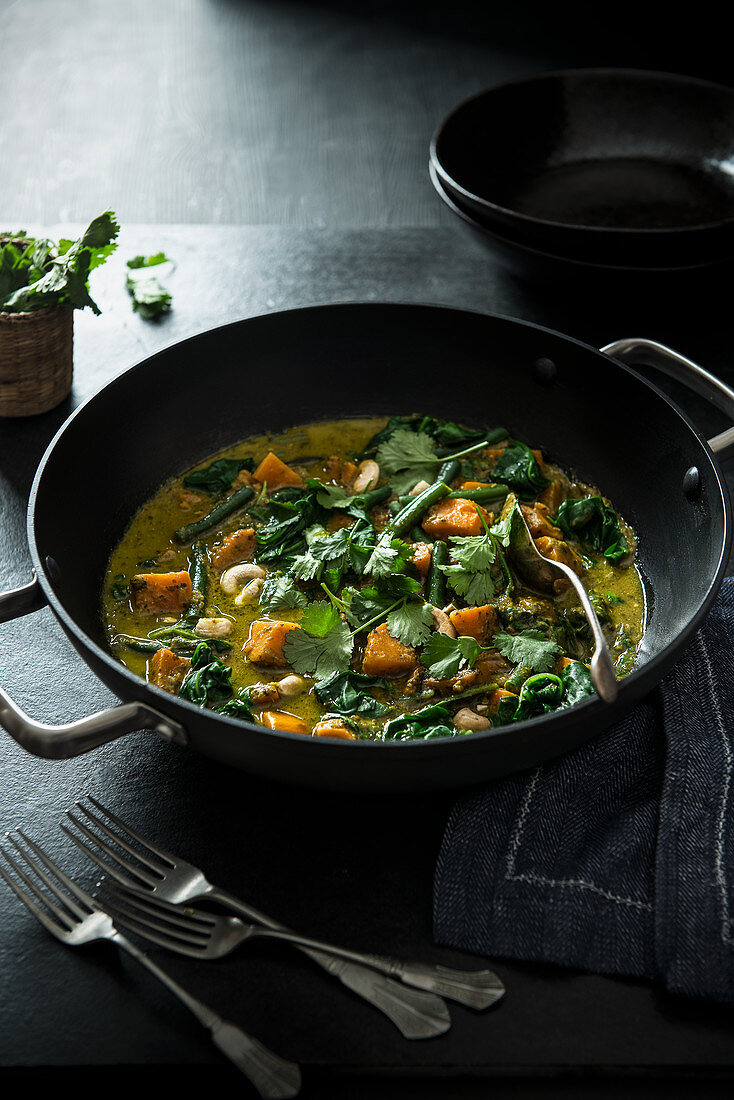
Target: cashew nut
(443, 622)
(237, 575)
(468, 719)
(369, 475)
(419, 488)
(291, 685)
(213, 628)
(250, 593)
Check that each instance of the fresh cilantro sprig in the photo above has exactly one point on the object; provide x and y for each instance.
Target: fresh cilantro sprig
(44, 274)
(472, 573)
(321, 644)
(444, 656)
(530, 648)
(280, 592)
(407, 457)
(150, 297)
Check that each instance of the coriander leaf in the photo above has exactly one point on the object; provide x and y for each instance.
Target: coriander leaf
(411, 624)
(476, 588)
(444, 656)
(385, 559)
(279, 592)
(138, 262)
(218, 476)
(529, 648)
(319, 654)
(64, 278)
(306, 567)
(406, 458)
(319, 618)
(474, 553)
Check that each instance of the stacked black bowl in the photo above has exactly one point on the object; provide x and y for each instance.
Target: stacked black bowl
(618, 169)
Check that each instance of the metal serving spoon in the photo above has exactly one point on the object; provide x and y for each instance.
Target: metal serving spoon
(603, 676)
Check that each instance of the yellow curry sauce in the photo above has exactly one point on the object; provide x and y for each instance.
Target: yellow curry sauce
(521, 646)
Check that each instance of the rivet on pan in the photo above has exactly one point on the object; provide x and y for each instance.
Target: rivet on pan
(545, 371)
(52, 568)
(691, 481)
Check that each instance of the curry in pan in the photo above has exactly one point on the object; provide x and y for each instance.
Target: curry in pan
(363, 579)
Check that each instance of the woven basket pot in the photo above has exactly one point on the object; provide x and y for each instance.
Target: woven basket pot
(36, 355)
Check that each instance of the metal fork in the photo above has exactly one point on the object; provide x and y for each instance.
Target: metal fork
(168, 878)
(204, 935)
(75, 918)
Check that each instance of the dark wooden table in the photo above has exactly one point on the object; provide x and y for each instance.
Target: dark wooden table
(309, 128)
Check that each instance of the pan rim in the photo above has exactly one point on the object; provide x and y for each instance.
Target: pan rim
(447, 746)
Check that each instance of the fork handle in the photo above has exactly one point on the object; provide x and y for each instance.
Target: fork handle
(475, 988)
(416, 1013)
(273, 1077)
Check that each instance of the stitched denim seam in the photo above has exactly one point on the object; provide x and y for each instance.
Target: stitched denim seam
(534, 879)
(726, 936)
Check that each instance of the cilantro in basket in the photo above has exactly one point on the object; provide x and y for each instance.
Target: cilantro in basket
(150, 297)
(35, 274)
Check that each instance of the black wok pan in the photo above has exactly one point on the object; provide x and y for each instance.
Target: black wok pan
(585, 410)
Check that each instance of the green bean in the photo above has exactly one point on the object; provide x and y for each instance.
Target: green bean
(418, 534)
(486, 495)
(199, 584)
(219, 512)
(408, 516)
(449, 470)
(374, 496)
(436, 591)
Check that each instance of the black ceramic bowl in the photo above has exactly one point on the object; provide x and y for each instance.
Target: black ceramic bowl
(613, 167)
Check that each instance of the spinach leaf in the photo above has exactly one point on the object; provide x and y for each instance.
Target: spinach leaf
(290, 512)
(344, 692)
(208, 680)
(238, 708)
(577, 683)
(218, 477)
(595, 524)
(421, 725)
(518, 468)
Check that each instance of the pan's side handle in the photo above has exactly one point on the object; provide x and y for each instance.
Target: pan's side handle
(73, 738)
(672, 363)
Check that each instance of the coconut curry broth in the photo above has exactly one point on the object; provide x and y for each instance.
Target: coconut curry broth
(411, 616)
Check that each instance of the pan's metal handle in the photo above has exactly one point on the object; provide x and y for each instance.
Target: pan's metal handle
(672, 363)
(73, 738)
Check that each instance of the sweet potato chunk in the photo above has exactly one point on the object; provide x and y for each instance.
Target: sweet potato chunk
(539, 521)
(265, 643)
(166, 670)
(333, 727)
(386, 656)
(476, 622)
(234, 548)
(161, 593)
(282, 720)
(455, 517)
(557, 550)
(275, 472)
(495, 697)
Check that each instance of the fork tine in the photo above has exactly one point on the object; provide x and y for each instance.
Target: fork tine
(141, 876)
(28, 901)
(133, 924)
(167, 857)
(76, 891)
(65, 919)
(193, 919)
(176, 933)
(152, 865)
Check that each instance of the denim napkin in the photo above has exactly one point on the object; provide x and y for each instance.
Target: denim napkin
(619, 857)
